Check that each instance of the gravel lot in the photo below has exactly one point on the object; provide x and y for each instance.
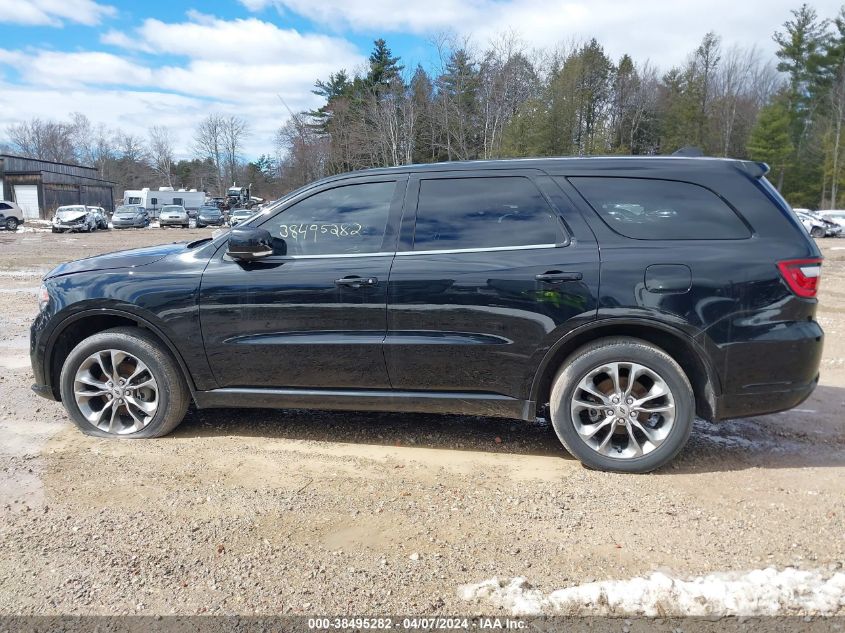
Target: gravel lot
(271, 512)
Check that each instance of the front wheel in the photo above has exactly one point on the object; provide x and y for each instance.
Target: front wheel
(121, 383)
(817, 232)
(622, 405)
(11, 224)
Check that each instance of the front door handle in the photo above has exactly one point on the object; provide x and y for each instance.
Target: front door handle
(557, 277)
(353, 281)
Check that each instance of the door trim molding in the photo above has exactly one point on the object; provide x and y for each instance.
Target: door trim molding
(463, 403)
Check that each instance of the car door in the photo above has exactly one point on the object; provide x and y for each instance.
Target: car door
(312, 315)
(492, 269)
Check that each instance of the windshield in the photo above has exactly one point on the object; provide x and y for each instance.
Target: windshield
(127, 210)
(172, 208)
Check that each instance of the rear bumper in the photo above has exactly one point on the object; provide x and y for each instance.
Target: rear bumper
(774, 368)
(762, 403)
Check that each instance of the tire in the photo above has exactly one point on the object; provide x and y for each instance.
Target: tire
(55, 230)
(817, 232)
(11, 224)
(619, 454)
(169, 387)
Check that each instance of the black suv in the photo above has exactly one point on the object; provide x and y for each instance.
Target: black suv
(619, 297)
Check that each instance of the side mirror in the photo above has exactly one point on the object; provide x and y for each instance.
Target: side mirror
(248, 244)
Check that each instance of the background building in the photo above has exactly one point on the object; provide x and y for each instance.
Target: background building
(39, 186)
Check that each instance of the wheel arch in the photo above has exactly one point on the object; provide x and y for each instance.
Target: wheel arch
(77, 327)
(681, 347)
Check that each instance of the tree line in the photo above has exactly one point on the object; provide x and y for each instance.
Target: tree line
(507, 100)
(133, 161)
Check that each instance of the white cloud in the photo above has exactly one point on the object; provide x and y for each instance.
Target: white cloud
(242, 41)
(237, 67)
(391, 15)
(664, 32)
(54, 12)
(92, 68)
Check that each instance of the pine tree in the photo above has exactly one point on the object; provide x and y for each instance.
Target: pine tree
(770, 141)
(384, 68)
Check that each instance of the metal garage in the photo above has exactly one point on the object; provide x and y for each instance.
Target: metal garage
(40, 186)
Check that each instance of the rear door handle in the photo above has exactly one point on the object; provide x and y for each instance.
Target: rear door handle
(557, 277)
(353, 281)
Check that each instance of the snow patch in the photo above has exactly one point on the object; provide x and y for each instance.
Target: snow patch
(762, 592)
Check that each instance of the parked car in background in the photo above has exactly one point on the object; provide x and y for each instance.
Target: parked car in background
(239, 215)
(174, 215)
(11, 216)
(814, 226)
(836, 216)
(101, 217)
(499, 288)
(129, 216)
(74, 217)
(210, 215)
(832, 229)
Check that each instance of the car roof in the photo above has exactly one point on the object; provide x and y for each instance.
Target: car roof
(575, 163)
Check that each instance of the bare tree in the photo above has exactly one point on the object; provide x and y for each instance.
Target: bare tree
(833, 144)
(507, 80)
(302, 150)
(235, 130)
(161, 153)
(209, 142)
(47, 140)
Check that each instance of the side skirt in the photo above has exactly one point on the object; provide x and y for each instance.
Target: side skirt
(462, 403)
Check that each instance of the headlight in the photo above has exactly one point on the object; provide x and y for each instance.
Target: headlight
(43, 298)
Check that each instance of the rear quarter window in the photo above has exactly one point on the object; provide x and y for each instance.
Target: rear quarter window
(652, 209)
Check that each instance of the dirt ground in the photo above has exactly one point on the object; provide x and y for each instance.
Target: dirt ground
(271, 512)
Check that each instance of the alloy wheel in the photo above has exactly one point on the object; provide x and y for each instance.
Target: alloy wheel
(622, 410)
(116, 392)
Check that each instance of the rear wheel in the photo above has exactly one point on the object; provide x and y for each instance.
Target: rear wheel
(120, 383)
(12, 224)
(622, 405)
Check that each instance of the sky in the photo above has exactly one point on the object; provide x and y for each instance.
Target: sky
(137, 63)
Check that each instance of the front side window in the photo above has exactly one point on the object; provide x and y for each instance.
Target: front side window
(346, 220)
(469, 213)
(651, 209)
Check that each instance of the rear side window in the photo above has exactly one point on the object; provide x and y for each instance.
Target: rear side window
(461, 213)
(650, 209)
(4, 206)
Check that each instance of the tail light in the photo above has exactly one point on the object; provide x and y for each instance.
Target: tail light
(802, 275)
